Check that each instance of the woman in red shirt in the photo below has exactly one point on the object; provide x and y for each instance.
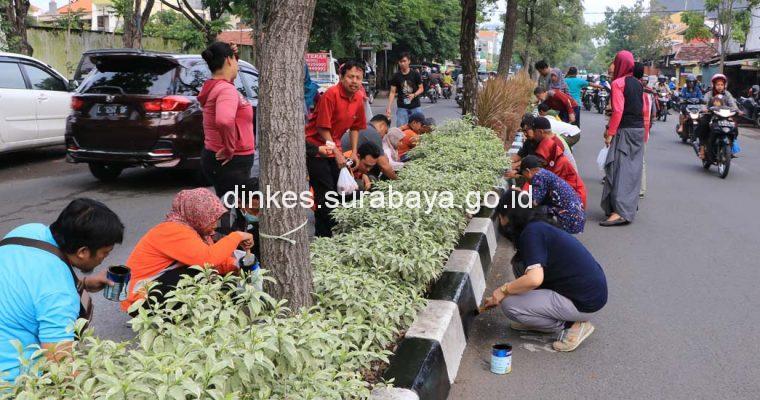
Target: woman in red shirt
(227, 157)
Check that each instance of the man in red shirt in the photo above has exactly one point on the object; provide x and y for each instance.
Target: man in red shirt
(339, 109)
(550, 148)
(557, 100)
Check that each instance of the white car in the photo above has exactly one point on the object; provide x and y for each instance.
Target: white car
(34, 103)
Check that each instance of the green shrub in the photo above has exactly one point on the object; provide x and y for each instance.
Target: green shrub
(226, 340)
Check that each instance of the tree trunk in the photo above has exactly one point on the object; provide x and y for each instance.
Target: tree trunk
(467, 52)
(14, 13)
(283, 159)
(508, 40)
(135, 22)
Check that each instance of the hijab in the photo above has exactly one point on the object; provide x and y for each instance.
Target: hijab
(560, 85)
(391, 140)
(623, 64)
(198, 209)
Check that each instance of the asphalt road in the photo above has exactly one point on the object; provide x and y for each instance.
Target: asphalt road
(36, 185)
(682, 316)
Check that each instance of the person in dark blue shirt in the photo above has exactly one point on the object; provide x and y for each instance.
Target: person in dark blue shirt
(690, 91)
(559, 283)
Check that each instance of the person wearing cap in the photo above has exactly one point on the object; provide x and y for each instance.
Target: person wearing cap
(552, 192)
(625, 137)
(559, 101)
(339, 109)
(719, 83)
(569, 133)
(412, 132)
(558, 286)
(544, 144)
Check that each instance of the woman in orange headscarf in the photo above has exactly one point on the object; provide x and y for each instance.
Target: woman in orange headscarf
(185, 238)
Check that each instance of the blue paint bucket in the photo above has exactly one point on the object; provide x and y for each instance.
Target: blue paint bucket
(501, 358)
(119, 275)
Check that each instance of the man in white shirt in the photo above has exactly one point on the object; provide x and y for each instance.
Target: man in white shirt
(569, 132)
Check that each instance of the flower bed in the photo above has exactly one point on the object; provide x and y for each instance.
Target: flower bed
(240, 343)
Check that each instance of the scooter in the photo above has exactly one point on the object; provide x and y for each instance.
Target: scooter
(750, 109)
(691, 109)
(664, 101)
(432, 93)
(723, 132)
(602, 101)
(587, 97)
(459, 98)
(370, 93)
(446, 91)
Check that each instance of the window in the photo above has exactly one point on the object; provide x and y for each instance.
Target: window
(43, 80)
(130, 75)
(192, 76)
(10, 76)
(252, 82)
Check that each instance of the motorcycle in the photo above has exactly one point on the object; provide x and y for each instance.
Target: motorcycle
(432, 93)
(446, 91)
(723, 133)
(587, 97)
(459, 98)
(691, 109)
(602, 101)
(664, 101)
(750, 109)
(370, 93)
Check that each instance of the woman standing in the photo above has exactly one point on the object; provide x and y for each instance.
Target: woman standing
(625, 138)
(227, 157)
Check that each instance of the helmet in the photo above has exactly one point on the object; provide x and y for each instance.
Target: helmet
(755, 89)
(691, 78)
(589, 77)
(603, 76)
(718, 76)
(662, 79)
(673, 79)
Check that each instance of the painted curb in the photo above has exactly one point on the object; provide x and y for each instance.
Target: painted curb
(427, 360)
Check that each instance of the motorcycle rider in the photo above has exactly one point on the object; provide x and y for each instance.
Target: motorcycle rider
(722, 98)
(672, 84)
(690, 91)
(435, 80)
(601, 84)
(662, 88)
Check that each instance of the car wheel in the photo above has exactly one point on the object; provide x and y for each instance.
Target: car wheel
(105, 172)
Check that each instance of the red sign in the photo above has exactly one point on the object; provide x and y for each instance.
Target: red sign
(318, 62)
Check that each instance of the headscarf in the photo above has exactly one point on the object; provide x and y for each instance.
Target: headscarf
(560, 85)
(198, 209)
(390, 142)
(623, 64)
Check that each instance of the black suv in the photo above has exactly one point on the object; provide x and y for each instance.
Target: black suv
(139, 108)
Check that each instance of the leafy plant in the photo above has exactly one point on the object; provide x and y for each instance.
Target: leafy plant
(217, 337)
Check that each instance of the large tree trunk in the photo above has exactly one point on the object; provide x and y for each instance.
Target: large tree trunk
(14, 13)
(133, 25)
(467, 51)
(283, 158)
(508, 40)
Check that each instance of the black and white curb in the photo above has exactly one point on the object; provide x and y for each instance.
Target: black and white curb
(426, 361)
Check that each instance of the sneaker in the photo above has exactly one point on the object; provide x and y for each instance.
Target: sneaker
(525, 328)
(571, 338)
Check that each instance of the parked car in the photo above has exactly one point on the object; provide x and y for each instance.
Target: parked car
(34, 102)
(139, 108)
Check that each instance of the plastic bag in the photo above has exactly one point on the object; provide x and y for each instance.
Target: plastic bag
(736, 148)
(346, 182)
(601, 159)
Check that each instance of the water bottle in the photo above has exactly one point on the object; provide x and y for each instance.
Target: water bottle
(251, 266)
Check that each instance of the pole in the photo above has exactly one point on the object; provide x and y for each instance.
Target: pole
(385, 69)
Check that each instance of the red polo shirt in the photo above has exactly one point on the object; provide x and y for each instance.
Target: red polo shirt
(337, 112)
(561, 102)
(552, 151)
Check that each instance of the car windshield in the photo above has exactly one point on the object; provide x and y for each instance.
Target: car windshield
(130, 75)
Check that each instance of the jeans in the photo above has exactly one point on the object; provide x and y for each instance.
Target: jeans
(565, 116)
(403, 114)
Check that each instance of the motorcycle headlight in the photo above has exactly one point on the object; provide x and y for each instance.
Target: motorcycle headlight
(726, 129)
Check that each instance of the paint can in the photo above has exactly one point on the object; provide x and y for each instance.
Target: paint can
(119, 275)
(501, 358)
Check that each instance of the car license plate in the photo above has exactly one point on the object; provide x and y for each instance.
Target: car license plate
(111, 110)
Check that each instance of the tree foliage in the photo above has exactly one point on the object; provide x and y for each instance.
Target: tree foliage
(548, 29)
(633, 28)
(171, 25)
(209, 27)
(428, 29)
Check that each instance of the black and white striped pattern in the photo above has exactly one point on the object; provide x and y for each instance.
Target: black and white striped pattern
(427, 359)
